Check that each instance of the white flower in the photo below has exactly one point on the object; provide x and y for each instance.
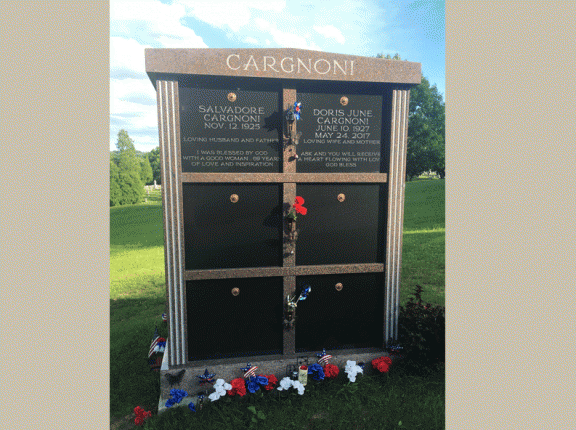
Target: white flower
(221, 387)
(298, 385)
(352, 369)
(285, 383)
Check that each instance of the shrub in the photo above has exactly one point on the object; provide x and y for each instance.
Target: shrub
(422, 331)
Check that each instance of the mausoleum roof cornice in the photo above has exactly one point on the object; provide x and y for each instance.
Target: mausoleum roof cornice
(283, 63)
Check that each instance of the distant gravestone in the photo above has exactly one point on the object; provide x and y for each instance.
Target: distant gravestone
(234, 157)
(155, 186)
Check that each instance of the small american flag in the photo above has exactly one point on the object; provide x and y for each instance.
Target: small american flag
(155, 341)
(249, 371)
(164, 317)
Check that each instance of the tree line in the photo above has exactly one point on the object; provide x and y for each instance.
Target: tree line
(426, 131)
(130, 169)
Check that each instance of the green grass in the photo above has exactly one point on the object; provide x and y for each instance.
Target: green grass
(423, 250)
(137, 298)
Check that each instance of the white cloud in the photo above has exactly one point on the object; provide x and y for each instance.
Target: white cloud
(126, 58)
(285, 38)
(250, 40)
(153, 20)
(232, 13)
(141, 90)
(133, 108)
(330, 32)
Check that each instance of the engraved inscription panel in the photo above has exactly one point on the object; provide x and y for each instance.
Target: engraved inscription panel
(229, 131)
(340, 133)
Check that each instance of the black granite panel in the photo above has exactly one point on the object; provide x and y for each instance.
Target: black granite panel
(331, 319)
(222, 325)
(340, 133)
(221, 234)
(220, 135)
(334, 232)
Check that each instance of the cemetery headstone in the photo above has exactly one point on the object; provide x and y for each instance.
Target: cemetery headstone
(248, 136)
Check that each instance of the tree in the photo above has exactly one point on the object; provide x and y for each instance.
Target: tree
(426, 130)
(115, 192)
(154, 157)
(129, 179)
(146, 170)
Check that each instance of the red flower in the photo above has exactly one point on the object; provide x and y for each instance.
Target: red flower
(331, 370)
(272, 381)
(304, 367)
(382, 364)
(141, 415)
(298, 206)
(238, 387)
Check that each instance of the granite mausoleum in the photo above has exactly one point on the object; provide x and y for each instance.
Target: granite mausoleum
(234, 157)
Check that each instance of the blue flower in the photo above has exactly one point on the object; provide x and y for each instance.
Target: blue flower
(252, 385)
(178, 394)
(262, 380)
(170, 402)
(192, 407)
(316, 371)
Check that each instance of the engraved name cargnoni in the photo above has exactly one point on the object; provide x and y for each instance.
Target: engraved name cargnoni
(290, 65)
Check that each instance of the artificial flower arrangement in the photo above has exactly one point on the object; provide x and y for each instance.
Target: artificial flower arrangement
(297, 208)
(251, 382)
(141, 415)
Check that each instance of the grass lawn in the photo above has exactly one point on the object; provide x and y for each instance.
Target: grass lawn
(137, 297)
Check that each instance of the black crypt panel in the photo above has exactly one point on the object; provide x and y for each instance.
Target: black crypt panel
(344, 224)
(332, 318)
(220, 233)
(229, 131)
(340, 133)
(234, 317)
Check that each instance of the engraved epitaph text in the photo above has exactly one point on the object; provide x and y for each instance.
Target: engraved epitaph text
(221, 135)
(337, 137)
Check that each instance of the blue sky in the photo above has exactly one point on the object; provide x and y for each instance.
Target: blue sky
(414, 29)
